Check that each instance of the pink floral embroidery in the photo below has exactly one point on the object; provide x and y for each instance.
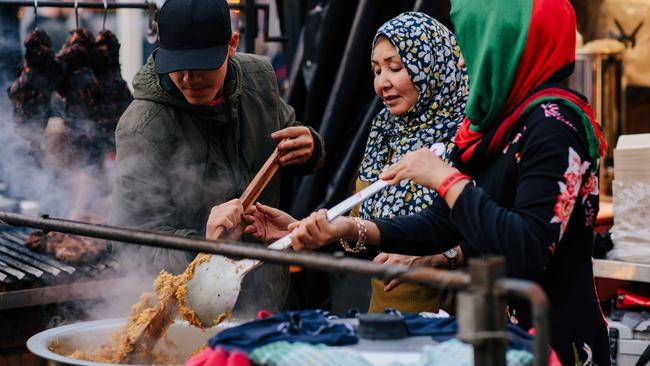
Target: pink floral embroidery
(516, 139)
(590, 187)
(590, 215)
(587, 349)
(569, 190)
(553, 110)
(588, 352)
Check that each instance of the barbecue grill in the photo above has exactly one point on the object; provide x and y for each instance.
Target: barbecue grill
(37, 291)
(34, 278)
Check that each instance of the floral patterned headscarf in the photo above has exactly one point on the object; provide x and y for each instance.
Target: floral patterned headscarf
(430, 54)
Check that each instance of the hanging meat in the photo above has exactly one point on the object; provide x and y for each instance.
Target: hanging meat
(115, 92)
(31, 92)
(81, 93)
(67, 248)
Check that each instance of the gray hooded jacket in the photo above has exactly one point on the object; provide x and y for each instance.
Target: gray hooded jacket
(175, 161)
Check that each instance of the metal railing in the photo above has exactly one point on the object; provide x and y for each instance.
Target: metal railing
(481, 298)
(250, 29)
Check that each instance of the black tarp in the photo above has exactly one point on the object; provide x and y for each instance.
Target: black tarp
(10, 47)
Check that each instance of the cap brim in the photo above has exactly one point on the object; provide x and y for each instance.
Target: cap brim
(167, 60)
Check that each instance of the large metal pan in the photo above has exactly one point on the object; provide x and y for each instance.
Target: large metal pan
(86, 336)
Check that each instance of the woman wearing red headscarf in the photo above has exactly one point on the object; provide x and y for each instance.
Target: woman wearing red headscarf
(525, 184)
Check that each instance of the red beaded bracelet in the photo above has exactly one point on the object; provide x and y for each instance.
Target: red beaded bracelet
(449, 181)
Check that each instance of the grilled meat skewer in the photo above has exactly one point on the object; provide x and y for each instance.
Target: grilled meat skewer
(81, 93)
(31, 92)
(116, 93)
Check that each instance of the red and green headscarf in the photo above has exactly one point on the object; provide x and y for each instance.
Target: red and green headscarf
(511, 48)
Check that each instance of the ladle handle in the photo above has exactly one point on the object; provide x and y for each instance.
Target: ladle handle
(283, 243)
(351, 202)
(338, 210)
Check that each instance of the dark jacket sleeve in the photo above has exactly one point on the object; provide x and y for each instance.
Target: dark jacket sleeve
(551, 152)
(142, 200)
(426, 233)
(522, 233)
(317, 158)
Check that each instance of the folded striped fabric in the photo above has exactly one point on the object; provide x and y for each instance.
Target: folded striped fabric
(305, 354)
(452, 353)
(457, 353)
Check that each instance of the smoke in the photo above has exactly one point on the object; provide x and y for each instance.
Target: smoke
(36, 166)
(134, 280)
(151, 200)
(18, 168)
(60, 191)
(36, 161)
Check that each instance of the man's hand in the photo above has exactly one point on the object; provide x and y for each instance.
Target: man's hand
(267, 223)
(296, 145)
(228, 216)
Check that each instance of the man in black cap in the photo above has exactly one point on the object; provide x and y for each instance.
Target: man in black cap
(203, 121)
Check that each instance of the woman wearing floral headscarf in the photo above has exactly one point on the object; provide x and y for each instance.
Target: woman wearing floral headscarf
(415, 61)
(424, 56)
(525, 184)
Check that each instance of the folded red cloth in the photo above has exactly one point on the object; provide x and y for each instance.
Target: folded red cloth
(553, 360)
(219, 357)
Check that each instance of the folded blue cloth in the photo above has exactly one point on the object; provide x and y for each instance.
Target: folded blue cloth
(309, 326)
(313, 326)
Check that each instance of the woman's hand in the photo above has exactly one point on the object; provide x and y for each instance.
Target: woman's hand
(267, 223)
(296, 145)
(423, 167)
(434, 261)
(315, 231)
(226, 216)
(389, 259)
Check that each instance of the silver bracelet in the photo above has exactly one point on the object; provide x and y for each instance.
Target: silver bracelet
(362, 234)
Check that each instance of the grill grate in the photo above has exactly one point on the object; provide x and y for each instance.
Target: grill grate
(21, 267)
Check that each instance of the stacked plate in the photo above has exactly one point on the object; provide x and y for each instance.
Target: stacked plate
(632, 159)
(631, 231)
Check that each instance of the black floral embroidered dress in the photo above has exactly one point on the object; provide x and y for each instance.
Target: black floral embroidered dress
(536, 205)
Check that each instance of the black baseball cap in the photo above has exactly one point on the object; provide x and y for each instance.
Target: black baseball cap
(193, 35)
